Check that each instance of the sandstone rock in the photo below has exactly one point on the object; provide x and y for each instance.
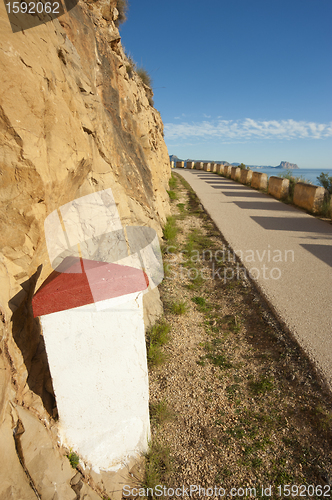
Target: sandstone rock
(71, 123)
(50, 471)
(14, 483)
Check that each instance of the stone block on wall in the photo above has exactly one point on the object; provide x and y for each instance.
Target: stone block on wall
(246, 176)
(236, 173)
(259, 180)
(308, 196)
(278, 187)
(228, 171)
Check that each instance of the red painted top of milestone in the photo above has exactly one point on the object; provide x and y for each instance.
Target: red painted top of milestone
(78, 282)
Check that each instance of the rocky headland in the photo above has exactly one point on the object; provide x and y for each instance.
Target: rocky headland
(287, 165)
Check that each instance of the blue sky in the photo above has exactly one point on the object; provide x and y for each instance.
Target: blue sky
(239, 80)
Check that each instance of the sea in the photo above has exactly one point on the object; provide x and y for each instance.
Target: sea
(305, 174)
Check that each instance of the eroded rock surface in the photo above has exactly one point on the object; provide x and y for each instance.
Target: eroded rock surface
(74, 119)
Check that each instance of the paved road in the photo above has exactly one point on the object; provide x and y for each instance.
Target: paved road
(291, 251)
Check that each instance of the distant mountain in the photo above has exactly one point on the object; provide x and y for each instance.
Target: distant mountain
(253, 166)
(175, 159)
(283, 164)
(287, 165)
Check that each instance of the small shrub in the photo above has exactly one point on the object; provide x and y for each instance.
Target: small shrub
(160, 412)
(179, 307)
(157, 465)
(155, 355)
(157, 336)
(144, 76)
(325, 181)
(159, 333)
(199, 301)
(326, 208)
(201, 304)
(74, 459)
(122, 6)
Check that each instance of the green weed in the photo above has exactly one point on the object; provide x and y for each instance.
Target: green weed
(155, 355)
(157, 466)
(172, 195)
(196, 283)
(198, 241)
(170, 229)
(172, 182)
(157, 336)
(160, 412)
(261, 386)
(200, 301)
(159, 333)
(215, 354)
(74, 459)
(179, 307)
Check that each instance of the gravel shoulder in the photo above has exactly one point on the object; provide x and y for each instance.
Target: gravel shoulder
(245, 408)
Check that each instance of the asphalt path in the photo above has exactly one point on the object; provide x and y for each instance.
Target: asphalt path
(288, 252)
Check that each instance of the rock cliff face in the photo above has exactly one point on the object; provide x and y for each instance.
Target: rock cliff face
(287, 165)
(74, 119)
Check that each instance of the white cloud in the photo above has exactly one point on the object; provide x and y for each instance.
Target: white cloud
(248, 129)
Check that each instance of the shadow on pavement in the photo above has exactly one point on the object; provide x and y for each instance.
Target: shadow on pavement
(262, 205)
(225, 186)
(322, 252)
(239, 194)
(301, 224)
